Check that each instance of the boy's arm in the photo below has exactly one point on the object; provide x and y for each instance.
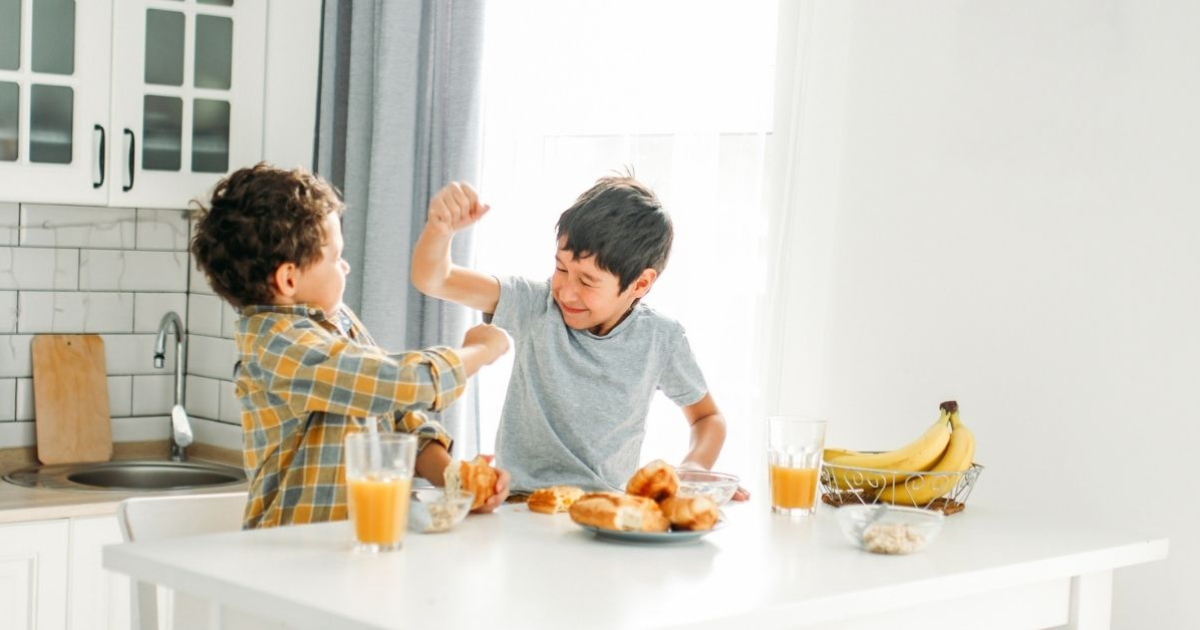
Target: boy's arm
(708, 436)
(453, 208)
(708, 433)
(314, 371)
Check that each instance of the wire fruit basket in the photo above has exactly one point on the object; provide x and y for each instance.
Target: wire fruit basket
(945, 492)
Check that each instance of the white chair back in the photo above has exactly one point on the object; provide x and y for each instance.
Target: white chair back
(145, 519)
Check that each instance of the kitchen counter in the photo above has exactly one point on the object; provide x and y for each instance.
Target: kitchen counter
(19, 504)
(988, 569)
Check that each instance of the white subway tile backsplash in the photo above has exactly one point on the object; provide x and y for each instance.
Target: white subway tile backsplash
(231, 408)
(77, 226)
(197, 283)
(141, 428)
(8, 399)
(16, 434)
(33, 268)
(204, 315)
(149, 308)
(203, 396)
(8, 312)
(24, 399)
(134, 354)
(162, 229)
(211, 356)
(14, 355)
(229, 320)
(73, 312)
(127, 270)
(220, 434)
(120, 396)
(10, 223)
(153, 394)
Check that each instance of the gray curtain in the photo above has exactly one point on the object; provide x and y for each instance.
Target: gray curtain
(399, 118)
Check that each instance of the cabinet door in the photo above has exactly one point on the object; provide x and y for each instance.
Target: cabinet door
(99, 598)
(33, 575)
(187, 96)
(54, 100)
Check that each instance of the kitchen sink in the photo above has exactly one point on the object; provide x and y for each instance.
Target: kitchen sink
(127, 476)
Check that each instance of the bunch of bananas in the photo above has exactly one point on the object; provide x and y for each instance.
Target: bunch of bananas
(947, 446)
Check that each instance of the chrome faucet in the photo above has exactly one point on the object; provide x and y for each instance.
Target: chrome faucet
(181, 428)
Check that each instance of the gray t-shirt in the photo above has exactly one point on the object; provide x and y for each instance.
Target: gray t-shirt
(575, 413)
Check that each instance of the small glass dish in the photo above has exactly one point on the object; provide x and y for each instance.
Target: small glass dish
(717, 486)
(889, 529)
(432, 510)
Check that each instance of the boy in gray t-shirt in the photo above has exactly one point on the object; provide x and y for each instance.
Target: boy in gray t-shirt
(589, 356)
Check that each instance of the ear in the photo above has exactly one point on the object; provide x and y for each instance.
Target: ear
(641, 286)
(284, 280)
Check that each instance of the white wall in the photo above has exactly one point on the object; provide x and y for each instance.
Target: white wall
(997, 203)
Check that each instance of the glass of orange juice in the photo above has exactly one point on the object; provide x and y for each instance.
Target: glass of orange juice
(794, 447)
(379, 472)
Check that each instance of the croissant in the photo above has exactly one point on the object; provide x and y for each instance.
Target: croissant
(622, 512)
(553, 499)
(656, 481)
(693, 513)
(476, 476)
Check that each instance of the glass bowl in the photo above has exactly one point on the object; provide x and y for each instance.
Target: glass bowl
(432, 510)
(717, 486)
(889, 529)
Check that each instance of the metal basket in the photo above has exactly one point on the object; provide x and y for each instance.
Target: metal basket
(846, 485)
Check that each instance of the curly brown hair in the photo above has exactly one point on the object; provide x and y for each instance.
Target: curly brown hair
(258, 219)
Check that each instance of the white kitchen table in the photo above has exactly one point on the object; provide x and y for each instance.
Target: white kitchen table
(518, 569)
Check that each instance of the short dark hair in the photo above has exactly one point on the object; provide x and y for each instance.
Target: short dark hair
(258, 219)
(621, 222)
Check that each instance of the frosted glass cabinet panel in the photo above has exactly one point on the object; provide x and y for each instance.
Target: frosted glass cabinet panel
(131, 103)
(186, 114)
(54, 100)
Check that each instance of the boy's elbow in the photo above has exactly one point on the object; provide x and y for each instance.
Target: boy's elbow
(423, 281)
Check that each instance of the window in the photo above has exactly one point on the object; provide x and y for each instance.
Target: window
(679, 91)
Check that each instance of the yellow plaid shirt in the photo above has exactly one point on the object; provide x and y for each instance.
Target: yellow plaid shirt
(305, 382)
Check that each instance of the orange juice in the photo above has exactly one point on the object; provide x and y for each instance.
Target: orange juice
(793, 488)
(379, 509)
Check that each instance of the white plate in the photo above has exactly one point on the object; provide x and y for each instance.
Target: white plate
(652, 537)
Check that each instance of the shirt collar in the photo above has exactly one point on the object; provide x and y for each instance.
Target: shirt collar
(300, 310)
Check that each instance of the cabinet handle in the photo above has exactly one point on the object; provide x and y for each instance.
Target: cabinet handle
(132, 151)
(100, 160)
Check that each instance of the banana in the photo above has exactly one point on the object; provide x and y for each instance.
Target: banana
(923, 489)
(916, 456)
(831, 454)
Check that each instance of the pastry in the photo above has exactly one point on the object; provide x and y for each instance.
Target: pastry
(697, 513)
(621, 512)
(553, 499)
(656, 481)
(476, 476)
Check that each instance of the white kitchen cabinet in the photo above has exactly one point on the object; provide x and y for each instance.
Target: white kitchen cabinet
(129, 103)
(54, 100)
(99, 599)
(33, 575)
(185, 112)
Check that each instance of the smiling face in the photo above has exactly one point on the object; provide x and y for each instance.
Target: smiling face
(590, 298)
(323, 282)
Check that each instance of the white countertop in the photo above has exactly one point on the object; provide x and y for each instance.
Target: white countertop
(515, 568)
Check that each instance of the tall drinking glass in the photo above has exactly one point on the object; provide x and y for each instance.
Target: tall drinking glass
(794, 447)
(379, 471)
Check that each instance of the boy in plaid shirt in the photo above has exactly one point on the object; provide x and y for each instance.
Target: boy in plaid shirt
(270, 243)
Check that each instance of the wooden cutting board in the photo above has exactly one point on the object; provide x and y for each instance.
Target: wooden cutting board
(70, 399)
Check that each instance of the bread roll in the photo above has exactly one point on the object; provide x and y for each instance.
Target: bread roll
(553, 499)
(656, 481)
(476, 476)
(692, 513)
(621, 512)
